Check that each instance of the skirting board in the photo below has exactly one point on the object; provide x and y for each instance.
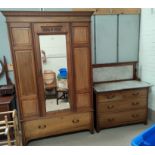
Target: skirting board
(151, 114)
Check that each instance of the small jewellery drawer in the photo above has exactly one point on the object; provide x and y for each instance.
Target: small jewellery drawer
(48, 126)
(116, 119)
(122, 105)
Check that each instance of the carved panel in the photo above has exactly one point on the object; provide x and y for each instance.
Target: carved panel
(51, 28)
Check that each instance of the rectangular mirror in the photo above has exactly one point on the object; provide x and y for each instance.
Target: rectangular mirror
(54, 69)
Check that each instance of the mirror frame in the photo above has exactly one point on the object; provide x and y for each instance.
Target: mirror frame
(53, 29)
(2, 64)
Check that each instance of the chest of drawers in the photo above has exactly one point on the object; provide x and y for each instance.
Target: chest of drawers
(120, 107)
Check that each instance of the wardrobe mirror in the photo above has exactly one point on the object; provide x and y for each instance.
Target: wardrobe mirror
(54, 69)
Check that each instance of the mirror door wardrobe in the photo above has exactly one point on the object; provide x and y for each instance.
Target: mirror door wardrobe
(52, 40)
(51, 54)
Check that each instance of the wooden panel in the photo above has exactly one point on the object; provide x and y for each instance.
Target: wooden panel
(120, 95)
(128, 41)
(80, 35)
(27, 82)
(26, 72)
(115, 119)
(82, 72)
(83, 100)
(106, 39)
(29, 107)
(21, 36)
(56, 125)
(117, 106)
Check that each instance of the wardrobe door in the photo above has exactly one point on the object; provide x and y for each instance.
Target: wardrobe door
(24, 67)
(82, 64)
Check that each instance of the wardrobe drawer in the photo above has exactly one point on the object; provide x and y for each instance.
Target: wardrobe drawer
(122, 118)
(57, 125)
(116, 106)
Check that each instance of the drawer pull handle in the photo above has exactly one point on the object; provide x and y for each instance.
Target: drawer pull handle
(135, 103)
(75, 121)
(135, 94)
(110, 119)
(135, 115)
(110, 96)
(110, 106)
(42, 126)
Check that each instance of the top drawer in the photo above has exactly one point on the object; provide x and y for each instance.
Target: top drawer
(120, 95)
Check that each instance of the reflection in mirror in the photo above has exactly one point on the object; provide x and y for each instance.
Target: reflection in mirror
(54, 66)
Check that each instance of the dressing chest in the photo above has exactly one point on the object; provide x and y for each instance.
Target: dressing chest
(120, 99)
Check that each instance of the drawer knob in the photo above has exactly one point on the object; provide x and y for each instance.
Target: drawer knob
(135, 115)
(110, 119)
(75, 121)
(110, 106)
(135, 103)
(110, 96)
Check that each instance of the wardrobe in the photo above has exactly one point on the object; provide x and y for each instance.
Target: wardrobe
(25, 30)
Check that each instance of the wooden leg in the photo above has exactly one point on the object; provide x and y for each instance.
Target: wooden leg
(97, 129)
(92, 131)
(145, 123)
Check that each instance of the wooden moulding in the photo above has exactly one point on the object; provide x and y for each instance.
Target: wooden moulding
(108, 11)
(47, 16)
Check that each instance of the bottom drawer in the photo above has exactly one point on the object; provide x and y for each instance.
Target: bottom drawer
(116, 119)
(56, 125)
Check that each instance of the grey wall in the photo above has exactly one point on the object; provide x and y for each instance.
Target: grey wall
(106, 36)
(116, 38)
(128, 39)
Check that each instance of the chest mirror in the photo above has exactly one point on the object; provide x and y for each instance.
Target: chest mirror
(55, 73)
